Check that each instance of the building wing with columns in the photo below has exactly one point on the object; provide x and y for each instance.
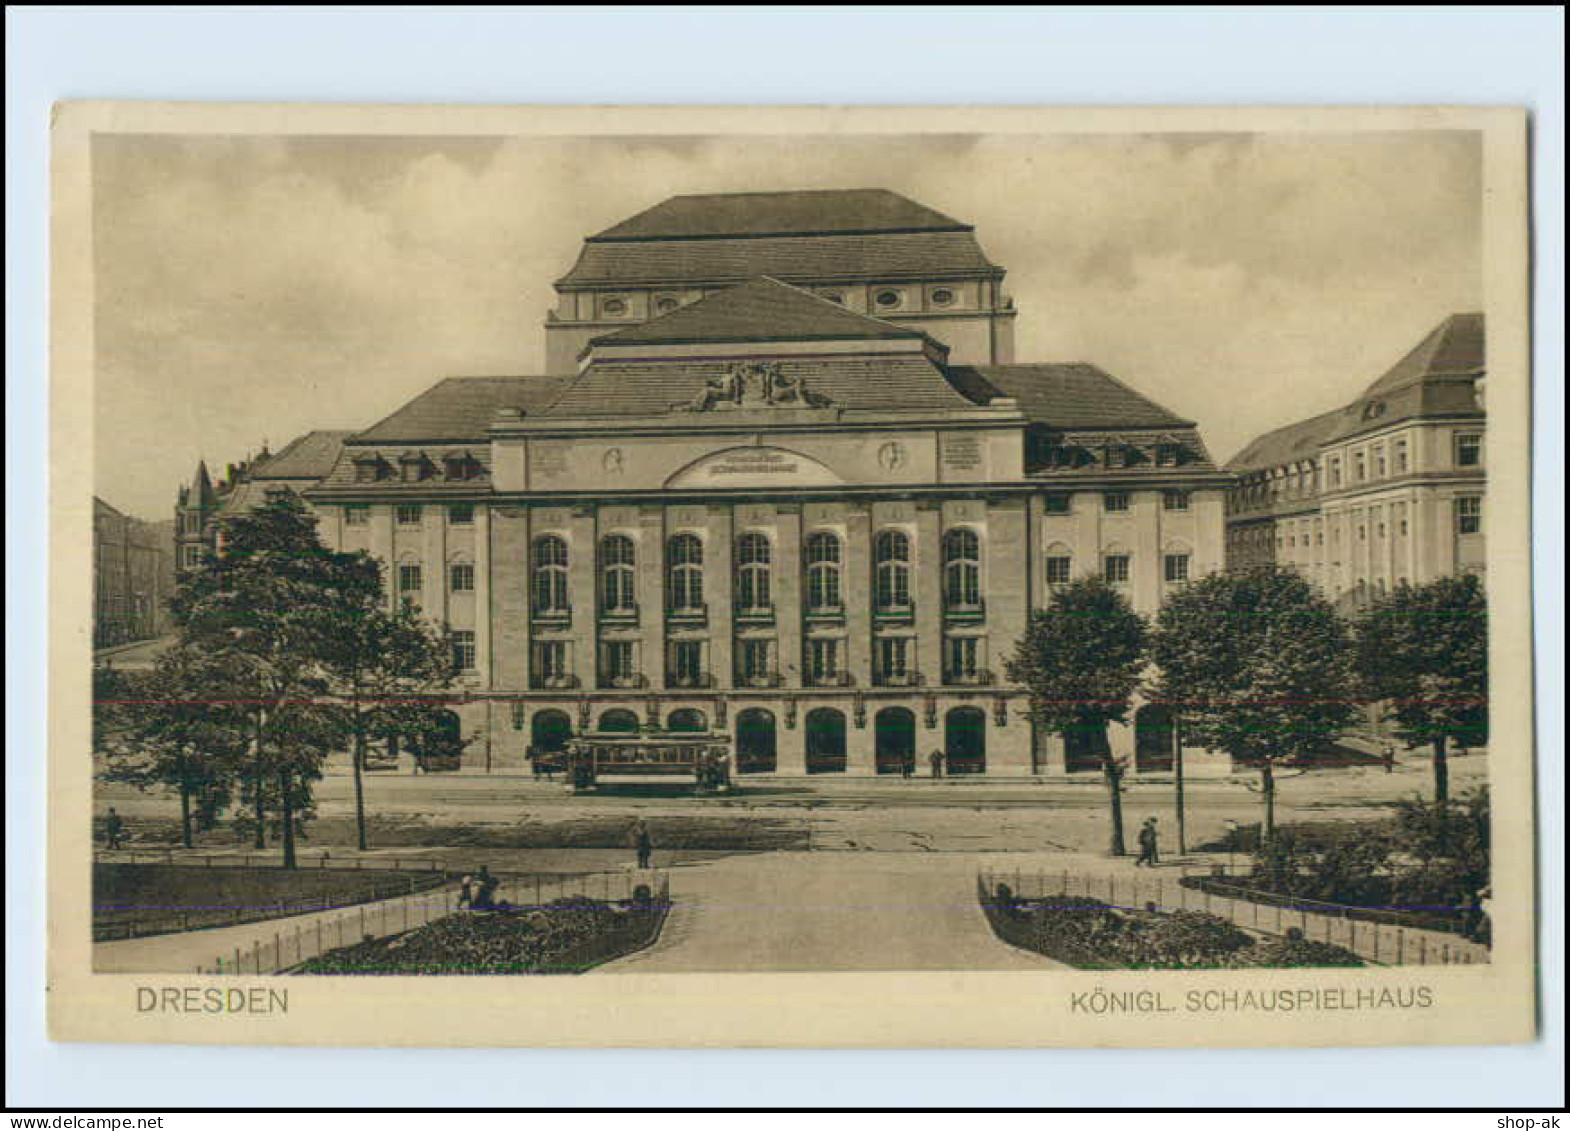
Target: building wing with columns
(772, 514)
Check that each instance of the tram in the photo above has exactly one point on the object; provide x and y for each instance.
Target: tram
(591, 761)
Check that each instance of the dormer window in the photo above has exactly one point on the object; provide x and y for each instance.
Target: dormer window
(412, 467)
(368, 469)
(1115, 455)
(459, 465)
(1166, 455)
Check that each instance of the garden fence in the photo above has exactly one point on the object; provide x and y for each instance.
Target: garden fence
(292, 944)
(1379, 943)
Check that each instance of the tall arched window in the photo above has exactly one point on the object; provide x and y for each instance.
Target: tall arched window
(684, 573)
(823, 571)
(550, 575)
(891, 582)
(618, 574)
(961, 569)
(752, 572)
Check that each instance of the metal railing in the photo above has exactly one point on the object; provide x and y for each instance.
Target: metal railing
(1378, 943)
(287, 949)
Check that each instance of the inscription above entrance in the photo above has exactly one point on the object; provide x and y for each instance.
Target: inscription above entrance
(754, 467)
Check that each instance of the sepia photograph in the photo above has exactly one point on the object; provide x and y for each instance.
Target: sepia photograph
(541, 552)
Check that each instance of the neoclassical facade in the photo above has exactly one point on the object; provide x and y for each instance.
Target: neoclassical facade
(770, 514)
(1386, 490)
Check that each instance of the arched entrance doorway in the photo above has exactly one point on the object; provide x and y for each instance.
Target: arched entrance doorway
(825, 741)
(894, 739)
(1155, 739)
(755, 747)
(965, 741)
(549, 731)
(1082, 747)
(619, 721)
(687, 721)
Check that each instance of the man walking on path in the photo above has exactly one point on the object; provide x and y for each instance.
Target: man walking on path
(936, 760)
(1147, 843)
(643, 843)
(114, 829)
(907, 766)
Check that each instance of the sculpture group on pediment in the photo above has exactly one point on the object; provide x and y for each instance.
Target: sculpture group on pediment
(754, 385)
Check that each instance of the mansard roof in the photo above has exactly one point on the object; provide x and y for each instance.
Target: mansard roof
(820, 236)
(801, 212)
(310, 456)
(1289, 444)
(461, 408)
(1437, 377)
(1065, 395)
(759, 310)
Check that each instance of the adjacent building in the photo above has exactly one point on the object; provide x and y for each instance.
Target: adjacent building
(133, 577)
(784, 481)
(1386, 490)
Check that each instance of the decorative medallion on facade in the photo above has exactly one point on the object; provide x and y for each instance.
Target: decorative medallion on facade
(754, 385)
(891, 456)
(611, 461)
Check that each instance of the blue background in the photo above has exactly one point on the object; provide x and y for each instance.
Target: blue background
(779, 55)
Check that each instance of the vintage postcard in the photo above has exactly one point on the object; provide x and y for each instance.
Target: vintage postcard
(790, 577)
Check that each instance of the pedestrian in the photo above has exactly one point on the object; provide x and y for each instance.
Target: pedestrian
(644, 844)
(114, 829)
(935, 759)
(1390, 757)
(907, 765)
(466, 892)
(1147, 843)
(484, 897)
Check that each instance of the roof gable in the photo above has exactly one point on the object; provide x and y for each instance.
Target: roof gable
(760, 310)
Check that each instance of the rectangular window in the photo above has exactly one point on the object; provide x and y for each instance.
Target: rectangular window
(1166, 455)
(356, 515)
(1057, 502)
(755, 666)
(1115, 501)
(687, 661)
(461, 514)
(1116, 456)
(1175, 568)
(463, 654)
(410, 578)
(962, 657)
(1059, 569)
(823, 660)
(1359, 467)
(1469, 449)
(1174, 500)
(462, 577)
(409, 514)
(1399, 456)
(550, 661)
(1335, 471)
(618, 660)
(1379, 462)
(1469, 514)
(366, 471)
(1114, 568)
(893, 657)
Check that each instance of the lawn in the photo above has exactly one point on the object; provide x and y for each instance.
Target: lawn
(131, 900)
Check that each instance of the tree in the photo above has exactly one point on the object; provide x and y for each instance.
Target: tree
(385, 668)
(1423, 652)
(173, 730)
(270, 607)
(1080, 660)
(1258, 663)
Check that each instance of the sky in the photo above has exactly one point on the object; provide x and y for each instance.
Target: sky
(250, 289)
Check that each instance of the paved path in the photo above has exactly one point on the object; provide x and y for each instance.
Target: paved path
(786, 911)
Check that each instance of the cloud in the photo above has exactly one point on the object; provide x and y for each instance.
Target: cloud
(260, 287)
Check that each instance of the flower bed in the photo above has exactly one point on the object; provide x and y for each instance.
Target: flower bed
(1256, 890)
(1092, 935)
(566, 936)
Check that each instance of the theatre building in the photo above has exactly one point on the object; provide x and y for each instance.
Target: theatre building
(767, 510)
